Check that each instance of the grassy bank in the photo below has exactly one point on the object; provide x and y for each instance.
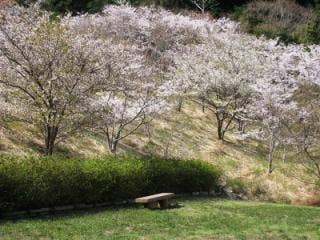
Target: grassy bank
(199, 218)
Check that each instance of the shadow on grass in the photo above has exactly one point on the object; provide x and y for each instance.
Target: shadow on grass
(56, 215)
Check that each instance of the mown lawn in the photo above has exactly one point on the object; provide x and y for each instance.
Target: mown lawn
(199, 218)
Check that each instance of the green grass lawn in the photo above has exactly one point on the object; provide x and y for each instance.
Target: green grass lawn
(199, 218)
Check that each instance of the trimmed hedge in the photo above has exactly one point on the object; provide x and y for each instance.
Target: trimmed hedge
(32, 183)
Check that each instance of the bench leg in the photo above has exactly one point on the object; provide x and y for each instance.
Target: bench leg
(152, 205)
(164, 203)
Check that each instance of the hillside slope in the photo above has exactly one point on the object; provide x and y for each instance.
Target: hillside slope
(190, 133)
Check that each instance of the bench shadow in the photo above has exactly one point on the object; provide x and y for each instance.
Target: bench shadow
(172, 206)
(56, 215)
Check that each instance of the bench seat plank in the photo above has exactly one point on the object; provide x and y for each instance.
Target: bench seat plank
(154, 198)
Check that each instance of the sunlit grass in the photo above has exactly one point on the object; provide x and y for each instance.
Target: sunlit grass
(198, 218)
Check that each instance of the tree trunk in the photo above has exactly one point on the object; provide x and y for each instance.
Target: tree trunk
(270, 155)
(51, 135)
(166, 150)
(220, 128)
(180, 102)
(220, 132)
(113, 144)
(270, 166)
(203, 7)
(113, 147)
(241, 126)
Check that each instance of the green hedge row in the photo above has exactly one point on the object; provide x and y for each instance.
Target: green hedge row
(32, 183)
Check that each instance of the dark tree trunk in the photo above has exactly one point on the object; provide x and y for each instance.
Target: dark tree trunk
(51, 135)
(113, 146)
(180, 102)
(272, 146)
(220, 130)
(270, 166)
(241, 126)
(113, 143)
(203, 105)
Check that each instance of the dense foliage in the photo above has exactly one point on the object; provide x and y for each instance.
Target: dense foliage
(216, 7)
(283, 19)
(30, 183)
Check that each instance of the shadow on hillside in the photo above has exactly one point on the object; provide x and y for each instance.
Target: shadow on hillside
(248, 147)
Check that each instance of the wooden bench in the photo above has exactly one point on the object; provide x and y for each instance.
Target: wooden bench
(154, 201)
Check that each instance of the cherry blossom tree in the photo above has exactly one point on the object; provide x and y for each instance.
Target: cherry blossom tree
(305, 138)
(271, 109)
(283, 117)
(142, 44)
(136, 95)
(218, 74)
(115, 70)
(239, 77)
(118, 116)
(234, 75)
(48, 74)
(159, 32)
(304, 127)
